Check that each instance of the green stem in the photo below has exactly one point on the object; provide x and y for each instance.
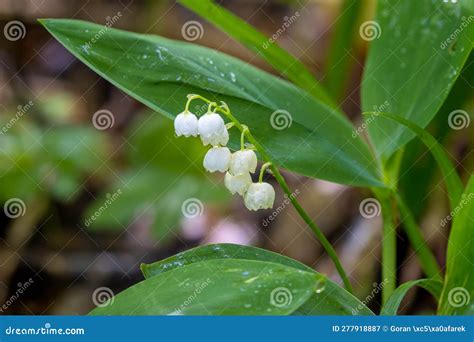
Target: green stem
(242, 137)
(190, 98)
(209, 107)
(224, 109)
(319, 234)
(389, 243)
(426, 258)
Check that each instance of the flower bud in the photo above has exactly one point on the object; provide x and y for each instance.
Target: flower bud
(212, 130)
(186, 123)
(243, 162)
(237, 184)
(259, 196)
(217, 159)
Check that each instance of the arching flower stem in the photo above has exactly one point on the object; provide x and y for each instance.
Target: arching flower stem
(245, 129)
(262, 171)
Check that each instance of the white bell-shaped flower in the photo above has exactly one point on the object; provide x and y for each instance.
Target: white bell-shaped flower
(243, 162)
(186, 123)
(217, 159)
(212, 130)
(237, 184)
(259, 196)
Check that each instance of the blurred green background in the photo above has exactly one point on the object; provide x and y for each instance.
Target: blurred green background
(95, 202)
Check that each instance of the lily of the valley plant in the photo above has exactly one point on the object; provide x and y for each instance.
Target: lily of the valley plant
(414, 61)
(238, 165)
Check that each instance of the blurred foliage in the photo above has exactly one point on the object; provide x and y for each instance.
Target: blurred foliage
(161, 173)
(51, 162)
(55, 159)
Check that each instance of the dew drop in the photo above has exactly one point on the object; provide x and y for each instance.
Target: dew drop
(86, 48)
(320, 285)
(320, 289)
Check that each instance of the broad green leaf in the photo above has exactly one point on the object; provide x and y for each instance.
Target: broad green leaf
(264, 46)
(340, 53)
(217, 287)
(391, 306)
(450, 176)
(413, 62)
(160, 73)
(330, 300)
(218, 252)
(457, 297)
(419, 168)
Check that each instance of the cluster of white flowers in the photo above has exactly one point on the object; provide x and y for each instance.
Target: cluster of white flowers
(238, 166)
